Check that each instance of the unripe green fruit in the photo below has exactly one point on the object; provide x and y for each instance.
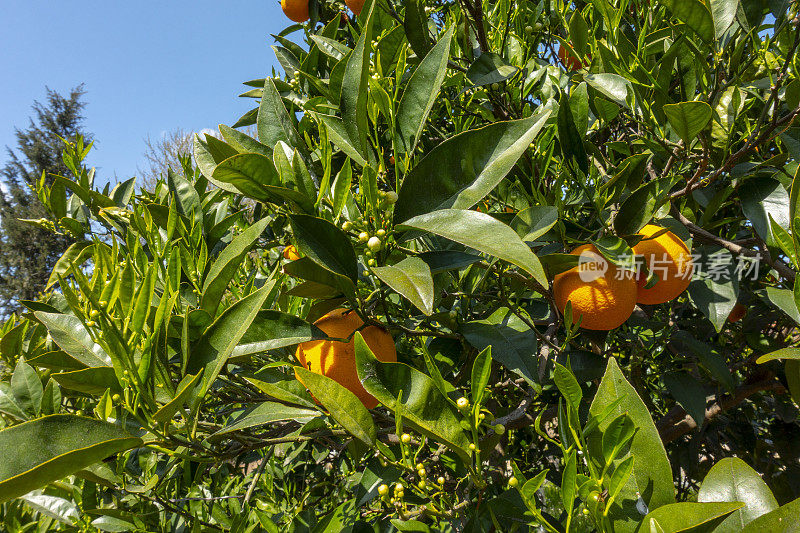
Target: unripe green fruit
(495, 86)
(513, 482)
(381, 233)
(462, 403)
(363, 236)
(115, 397)
(94, 313)
(422, 484)
(499, 429)
(374, 244)
(391, 197)
(347, 226)
(529, 29)
(371, 263)
(538, 26)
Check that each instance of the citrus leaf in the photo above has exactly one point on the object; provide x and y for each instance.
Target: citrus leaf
(47, 449)
(688, 119)
(686, 516)
(424, 408)
(460, 171)
(343, 405)
(732, 480)
(71, 336)
(781, 520)
(412, 279)
(266, 413)
(483, 233)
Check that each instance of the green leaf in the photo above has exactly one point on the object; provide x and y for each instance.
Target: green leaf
(533, 222)
(689, 516)
(415, 24)
(92, 381)
(568, 485)
(652, 474)
(783, 299)
(732, 480)
(76, 254)
(186, 197)
(355, 87)
(514, 344)
(267, 413)
(182, 394)
(71, 336)
(568, 386)
(570, 139)
(343, 405)
(460, 171)
(578, 33)
(689, 393)
(279, 386)
(243, 142)
(255, 176)
(490, 68)
(338, 135)
(723, 12)
(783, 353)
(47, 449)
(272, 329)
(412, 279)
(616, 437)
(424, 407)
(8, 403)
(306, 268)
(325, 244)
(341, 187)
(612, 86)
(210, 353)
(27, 387)
(638, 208)
(688, 119)
(144, 301)
(481, 371)
(227, 263)
(781, 520)
(57, 508)
(420, 94)
(483, 233)
(714, 291)
(696, 15)
(274, 123)
(620, 476)
(764, 197)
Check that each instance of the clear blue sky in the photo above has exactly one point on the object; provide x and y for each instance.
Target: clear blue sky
(148, 67)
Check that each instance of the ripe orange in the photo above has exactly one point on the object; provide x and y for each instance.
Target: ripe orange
(290, 253)
(567, 59)
(669, 258)
(601, 294)
(355, 6)
(336, 359)
(296, 10)
(737, 313)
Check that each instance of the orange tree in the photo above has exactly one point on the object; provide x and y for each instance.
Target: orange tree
(368, 318)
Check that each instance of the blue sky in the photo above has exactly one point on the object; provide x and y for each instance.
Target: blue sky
(148, 67)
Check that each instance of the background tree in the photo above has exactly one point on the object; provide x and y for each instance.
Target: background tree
(27, 251)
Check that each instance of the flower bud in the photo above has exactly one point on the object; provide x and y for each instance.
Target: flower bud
(513, 482)
(363, 236)
(383, 490)
(462, 403)
(374, 244)
(405, 438)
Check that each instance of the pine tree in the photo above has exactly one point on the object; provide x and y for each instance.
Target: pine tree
(27, 252)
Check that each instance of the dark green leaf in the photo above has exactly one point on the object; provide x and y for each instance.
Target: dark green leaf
(266, 413)
(732, 480)
(695, 14)
(71, 336)
(420, 94)
(343, 405)
(424, 407)
(490, 68)
(460, 171)
(481, 371)
(514, 344)
(38, 452)
(481, 232)
(781, 520)
(689, 393)
(688, 119)
(325, 244)
(689, 516)
(272, 329)
(412, 279)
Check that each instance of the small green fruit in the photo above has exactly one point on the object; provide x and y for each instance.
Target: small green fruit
(374, 243)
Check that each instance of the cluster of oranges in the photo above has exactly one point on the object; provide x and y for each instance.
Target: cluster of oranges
(297, 10)
(603, 296)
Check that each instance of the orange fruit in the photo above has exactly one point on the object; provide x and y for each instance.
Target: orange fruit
(355, 6)
(290, 253)
(602, 295)
(296, 10)
(669, 258)
(336, 359)
(737, 313)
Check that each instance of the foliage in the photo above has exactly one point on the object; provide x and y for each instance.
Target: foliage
(29, 248)
(434, 164)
